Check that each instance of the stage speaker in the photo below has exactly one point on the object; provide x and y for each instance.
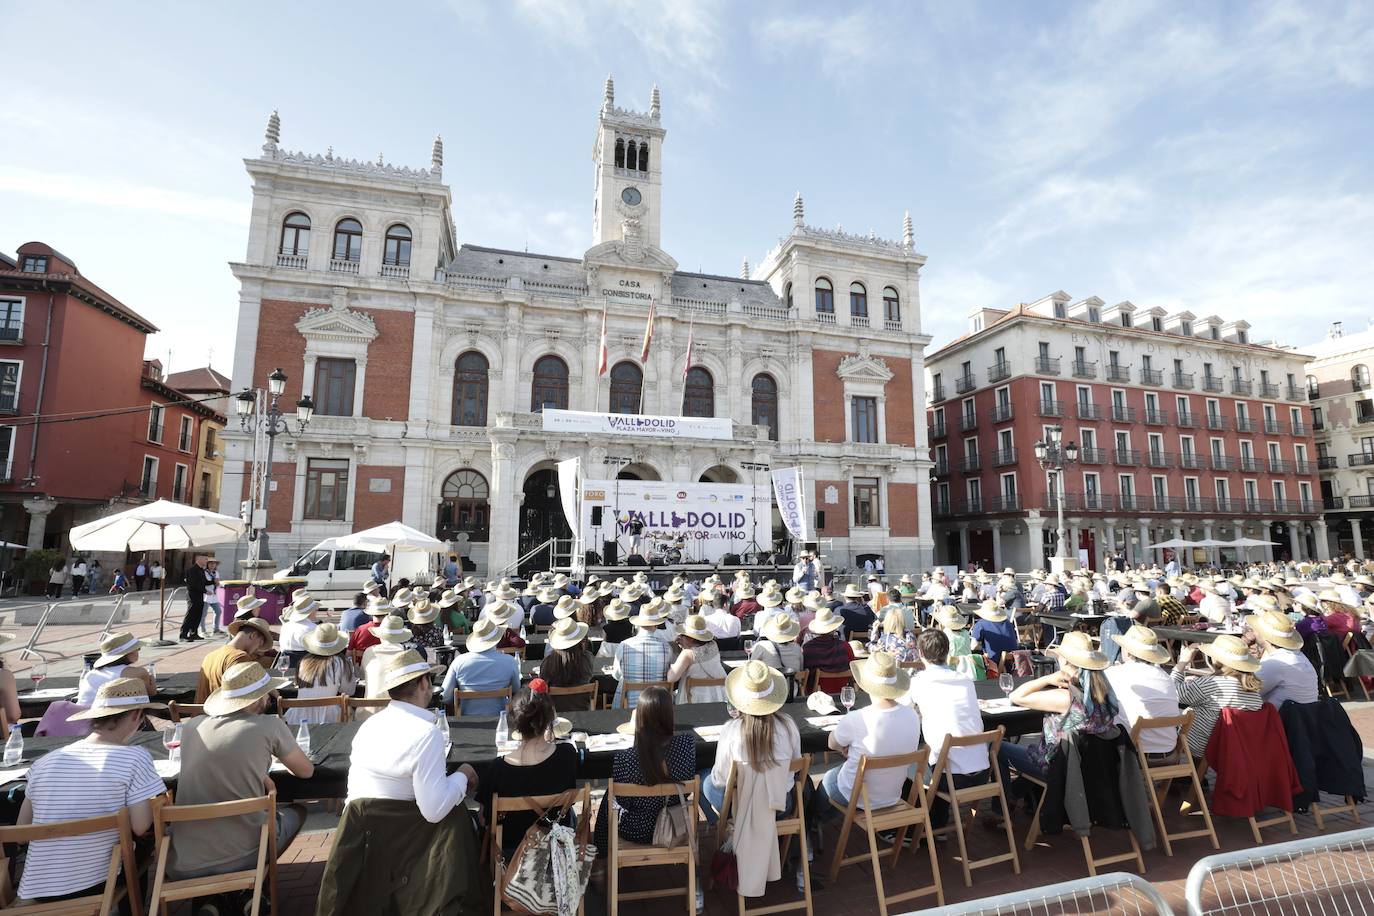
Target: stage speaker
(635, 559)
(596, 516)
(730, 559)
(592, 558)
(820, 519)
(610, 553)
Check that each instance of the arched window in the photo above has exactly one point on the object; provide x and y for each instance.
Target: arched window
(644, 156)
(631, 154)
(470, 390)
(626, 382)
(858, 300)
(892, 306)
(620, 152)
(699, 394)
(1359, 377)
(765, 395)
(464, 506)
(1313, 387)
(787, 295)
(825, 295)
(348, 240)
(550, 386)
(397, 250)
(295, 234)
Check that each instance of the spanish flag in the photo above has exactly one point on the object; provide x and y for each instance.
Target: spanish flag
(648, 332)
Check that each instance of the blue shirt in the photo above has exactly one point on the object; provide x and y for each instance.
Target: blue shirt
(857, 617)
(489, 670)
(353, 618)
(996, 638)
(542, 615)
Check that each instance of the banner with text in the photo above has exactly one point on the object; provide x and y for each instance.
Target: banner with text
(637, 426)
(787, 489)
(681, 522)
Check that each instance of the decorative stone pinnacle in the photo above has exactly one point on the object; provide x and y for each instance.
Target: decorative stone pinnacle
(608, 100)
(654, 105)
(908, 235)
(744, 269)
(273, 130)
(798, 211)
(436, 156)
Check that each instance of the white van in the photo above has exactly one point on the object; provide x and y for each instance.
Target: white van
(334, 576)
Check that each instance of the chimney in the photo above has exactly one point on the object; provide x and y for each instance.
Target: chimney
(1335, 330)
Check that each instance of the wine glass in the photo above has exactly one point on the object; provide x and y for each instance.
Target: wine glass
(748, 647)
(730, 708)
(1007, 683)
(152, 671)
(38, 672)
(847, 697)
(171, 738)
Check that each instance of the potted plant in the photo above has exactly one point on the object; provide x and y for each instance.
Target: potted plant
(35, 568)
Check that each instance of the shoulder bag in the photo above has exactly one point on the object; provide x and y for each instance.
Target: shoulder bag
(548, 872)
(671, 827)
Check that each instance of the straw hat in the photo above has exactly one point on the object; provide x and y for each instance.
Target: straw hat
(325, 639)
(647, 618)
(567, 633)
(380, 607)
(505, 591)
(253, 623)
(825, 621)
(695, 628)
(852, 590)
(117, 697)
(1077, 648)
(770, 598)
(301, 609)
(371, 587)
(1308, 600)
(499, 612)
(616, 610)
(300, 594)
(605, 588)
(422, 612)
(485, 635)
(1142, 643)
(631, 593)
(1231, 652)
(402, 668)
(756, 689)
(656, 606)
(641, 577)
(248, 604)
(1338, 578)
(879, 676)
(1276, 628)
(402, 597)
(393, 630)
(565, 607)
(1331, 596)
(745, 591)
(448, 598)
(561, 581)
(547, 595)
(114, 647)
(950, 618)
(469, 582)
(813, 601)
(1363, 579)
(675, 595)
(1264, 604)
(905, 579)
(781, 628)
(990, 612)
(242, 686)
(1037, 574)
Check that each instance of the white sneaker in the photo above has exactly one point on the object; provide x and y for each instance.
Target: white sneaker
(701, 900)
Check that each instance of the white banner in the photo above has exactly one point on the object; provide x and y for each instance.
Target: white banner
(787, 489)
(677, 522)
(637, 426)
(567, 489)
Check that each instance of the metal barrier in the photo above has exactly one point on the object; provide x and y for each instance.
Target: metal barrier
(1331, 874)
(1115, 893)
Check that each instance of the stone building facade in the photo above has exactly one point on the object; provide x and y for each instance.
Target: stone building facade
(1342, 398)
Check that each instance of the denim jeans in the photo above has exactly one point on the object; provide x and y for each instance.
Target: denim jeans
(1018, 756)
(711, 798)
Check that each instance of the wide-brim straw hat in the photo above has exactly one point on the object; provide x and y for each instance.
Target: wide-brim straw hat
(950, 618)
(448, 598)
(781, 628)
(1037, 573)
(1231, 652)
(114, 647)
(256, 623)
(380, 608)
(505, 591)
(547, 595)
(656, 606)
(825, 621)
(402, 597)
(300, 594)
(116, 697)
(566, 607)
(905, 579)
(393, 630)
(1308, 600)
(561, 581)
(371, 587)
(1338, 578)
(745, 591)
(694, 627)
(990, 612)
(770, 599)
(422, 612)
(499, 612)
(1142, 643)
(325, 639)
(301, 609)
(485, 635)
(248, 603)
(879, 676)
(242, 686)
(616, 610)
(1276, 628)
(756, 689)
(469, 582)
(647, 618)
(1362, 579)
(813, 601)
(567, 633)
(853, 591)
(402, 668)
(1077, 649)
(631, 593)
(674, 595)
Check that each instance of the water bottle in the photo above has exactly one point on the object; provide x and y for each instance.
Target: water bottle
(303, 738)
(502, 733)
(523, 637)
(14, 747)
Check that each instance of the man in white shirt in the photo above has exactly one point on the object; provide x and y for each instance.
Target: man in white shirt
(720, 621)
(1213, 606)
(948, 706)
(399, 754)
(1284, 671)
(1144, 690)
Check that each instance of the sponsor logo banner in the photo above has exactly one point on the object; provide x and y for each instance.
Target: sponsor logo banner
(637, 426)
(787, 488)
(681, 522)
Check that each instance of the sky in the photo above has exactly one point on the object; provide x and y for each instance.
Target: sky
(1209, 156)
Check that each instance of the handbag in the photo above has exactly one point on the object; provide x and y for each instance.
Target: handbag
(549, 870)
(724, 865)
(670, 829)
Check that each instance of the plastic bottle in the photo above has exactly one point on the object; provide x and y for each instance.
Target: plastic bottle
(303, 738)
(523, 636)
(14, 746)
(502, 731)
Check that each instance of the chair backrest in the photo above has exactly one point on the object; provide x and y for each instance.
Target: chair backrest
(1182, 722)
(356, 703)
(338, 703)
(121, 854)
(693, 682)
(798, 767)
(536, 804)
(460, 695)
(180, 711)
(662, 790)
(917, 758)
(587, 690)
(993, 740)
(517, 652)
(165, 816)
(628, 687)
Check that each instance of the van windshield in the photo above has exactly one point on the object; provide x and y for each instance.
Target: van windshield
(314, 560)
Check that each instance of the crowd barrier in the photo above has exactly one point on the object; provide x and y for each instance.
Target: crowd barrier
(140, 608)
(1115, 893)
(1331, 874)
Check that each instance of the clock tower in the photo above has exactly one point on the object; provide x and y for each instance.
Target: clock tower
(627, 154)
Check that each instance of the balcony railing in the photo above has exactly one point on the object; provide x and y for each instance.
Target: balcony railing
(1302, 467)
(1051, 408)
(1159, 459)
(937, 393)
(396, 271)
(1274, 427)
(937, 430)
(1362, 417)
(1047, 365)
(968, 421)
(858, 321)
(1212, 383)
(1089, 411)
(1196, 504)
(1183, 380)
(1127, 457)
(1225, 504)
(972, 506)
(1118, 373)
(892, 324)
(941, 508)
(999, 371)
(1005, 503)
(941, 467)
(1166, 504)
(1004, 457)
(1217, 421)
(1001, 413)
(1121, 414)
(1328, 463)
(1222, 463)
(1269, 390)
(1191, 462)
(1363, 501)
(1073, 502)
(1083, 369)
(1187, 420)
(1361, 460)
(1241, 386)
(1253, 504)
(1280, 466)
(291, 261)
(1249, 464)
(1092, 456)
(970, 463)
(1245, 425)
(1300, 428)
(1128, 502)
(1293, 393)
(964, 384)
(343, 266)
(1314, 391)
(1333, 502)
(1151, 376)
(1156, 417)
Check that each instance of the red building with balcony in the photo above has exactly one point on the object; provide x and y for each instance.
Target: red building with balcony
(85, 421)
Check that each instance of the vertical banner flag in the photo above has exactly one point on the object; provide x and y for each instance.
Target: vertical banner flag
(648, 333)
(568, 489)
(603, 357)
(787, 490)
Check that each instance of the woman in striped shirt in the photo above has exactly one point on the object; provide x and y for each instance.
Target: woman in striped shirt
(1234, 685)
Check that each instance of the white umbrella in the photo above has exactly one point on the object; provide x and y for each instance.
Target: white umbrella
(389, 538)
(157, 526)
(1173, 544)
(1248, 542)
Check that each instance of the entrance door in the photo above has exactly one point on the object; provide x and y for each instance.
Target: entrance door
(541, 518)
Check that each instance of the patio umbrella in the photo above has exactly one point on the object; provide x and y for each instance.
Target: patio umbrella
(1248, 542)
(1172, 544)
(157, 526)
(389, 538)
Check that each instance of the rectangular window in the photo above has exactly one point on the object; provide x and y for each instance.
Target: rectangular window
(1126, 485)
(184, 441)
(155, 422)
(179, 493)
(1059, 310)
(1009, 491)
(205, 494)
(866, 507)
(1044, 350)
(10, 371)
(1223, 488)
(211, 446)
(864, 419)
(326, 489)
(1278, 491)
(1087, 437)
(970, 448)
(7, 453)
(975, 494)
(11, 318)
(334, 380)
(1156, 323)
(147, 484)
(1218, 448)
(34, 264)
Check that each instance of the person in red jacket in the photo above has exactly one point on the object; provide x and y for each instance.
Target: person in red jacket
(745, 605)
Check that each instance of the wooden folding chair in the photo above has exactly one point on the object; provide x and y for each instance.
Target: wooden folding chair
(117, 887)
(338, 703)
(625, 854)
(692, 682)
(1181, 767)
(959, 799)
(518, 652)
(167, 891)
(182, 711)
(534, 803)
(587, 690)
(1093, 860)
(1348, 643)
(354, 704)
(787, 828)
(820, 674)
(628, 687)
(460, 695)
(901, 817)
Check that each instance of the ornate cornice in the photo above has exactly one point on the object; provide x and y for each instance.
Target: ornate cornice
(379, 168)
(864, 367)
(337, 323)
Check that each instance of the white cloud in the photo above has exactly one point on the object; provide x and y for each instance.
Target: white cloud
(1067, 203)
(502, 221)
(110, 192)
(838, 43)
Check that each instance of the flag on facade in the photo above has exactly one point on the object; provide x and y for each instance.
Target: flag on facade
(603, 356)
(686, 366)
(648, 333)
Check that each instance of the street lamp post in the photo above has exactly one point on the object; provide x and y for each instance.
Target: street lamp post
(1054, 456)
(268, 415)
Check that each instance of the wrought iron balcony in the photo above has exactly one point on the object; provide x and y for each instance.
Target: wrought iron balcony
(1300, 428)
(999, 371)
(1245, 425)
(1127, 457)
(1156, 417)
(970, 463)
(1249, 464)
(1083, 369)
(1092, 456)
(1275, 427)
(1190, 461)
(968, 421)
(1222, 463)
(1241, 386)
(1361, 460)
(1293, 393)
(1121, 414)
(1187, 420)
(1004, 457)
(1128, 502)
(1333, 502)
(1159, 459)
(1213, 383)
(1280, 466)
(1269, 390)
(941, 508)
(1051, 408)
(1151, 376)
(941, 467)
(937, 393)
(1088, 411)
(1183, 380)
(1328, 463)
(1118, 373)
(937, 430)
(1217, 421)
(1166, 504)
(1005, 503)
(1362, 501)
(1001, 413)
(1047, 365)
(964, 384)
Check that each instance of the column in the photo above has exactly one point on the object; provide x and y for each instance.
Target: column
(1354, 533)
(591, 347)
(1035, 537)
(963, 545)
(40, 509)
(1145, 556)
(1238, 531)
(1213, 553)
(666, 382)
(1319, 535)
(510, 356)
(1075, 530)
(422, 368)
(736, 388)
(996, 546)
(1295, 540)
(504, 545)
(1265, 534)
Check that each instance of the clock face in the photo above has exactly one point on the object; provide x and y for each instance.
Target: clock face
(631, 196)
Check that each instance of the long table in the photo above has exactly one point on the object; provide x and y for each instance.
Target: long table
(179, 687)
